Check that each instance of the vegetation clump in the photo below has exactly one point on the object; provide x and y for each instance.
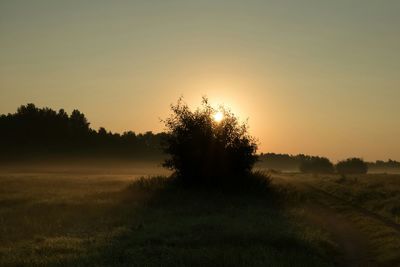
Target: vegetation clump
(205, 150)
(316, 165)
(352, 166)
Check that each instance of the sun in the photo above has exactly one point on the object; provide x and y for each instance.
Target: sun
(218, 117)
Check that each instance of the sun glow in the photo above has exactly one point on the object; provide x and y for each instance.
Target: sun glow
(218, 117)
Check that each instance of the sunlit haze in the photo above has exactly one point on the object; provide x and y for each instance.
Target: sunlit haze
(321, 78)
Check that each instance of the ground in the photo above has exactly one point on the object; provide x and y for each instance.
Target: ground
(109, 217)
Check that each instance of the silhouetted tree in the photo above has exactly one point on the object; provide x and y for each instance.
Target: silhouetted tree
(352, 166)
(204, 150)
(33, 131)
(316, 165)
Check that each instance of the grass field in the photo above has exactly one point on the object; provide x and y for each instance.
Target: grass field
(113, 218)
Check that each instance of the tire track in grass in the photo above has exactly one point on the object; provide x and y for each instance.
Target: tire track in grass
(380, 236)
(352, 244)
(387, 222)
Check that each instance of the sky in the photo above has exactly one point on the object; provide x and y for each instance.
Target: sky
(314, 76)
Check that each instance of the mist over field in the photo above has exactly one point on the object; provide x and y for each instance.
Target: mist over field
(82, 166)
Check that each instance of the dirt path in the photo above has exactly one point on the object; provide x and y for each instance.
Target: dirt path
(366, 238)
(331, 214)
(365, 212)
(363, 237)
(350, 240)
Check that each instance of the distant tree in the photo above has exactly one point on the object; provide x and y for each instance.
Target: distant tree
(316, 165)
(204, 150)
(79, 122)
(280, 161)
(352, 166)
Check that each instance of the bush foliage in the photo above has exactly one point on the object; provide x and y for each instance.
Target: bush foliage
(204, 150)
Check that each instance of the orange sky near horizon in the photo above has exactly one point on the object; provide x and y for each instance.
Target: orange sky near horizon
(312, 77)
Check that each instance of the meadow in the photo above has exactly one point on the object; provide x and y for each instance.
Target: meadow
(115, 217)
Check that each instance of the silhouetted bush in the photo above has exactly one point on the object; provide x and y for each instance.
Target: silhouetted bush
(202, 150)
(352, 166)
(316, 165)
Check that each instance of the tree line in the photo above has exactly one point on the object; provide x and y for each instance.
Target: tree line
(33, 131)
(380, 164)
(316, 164)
